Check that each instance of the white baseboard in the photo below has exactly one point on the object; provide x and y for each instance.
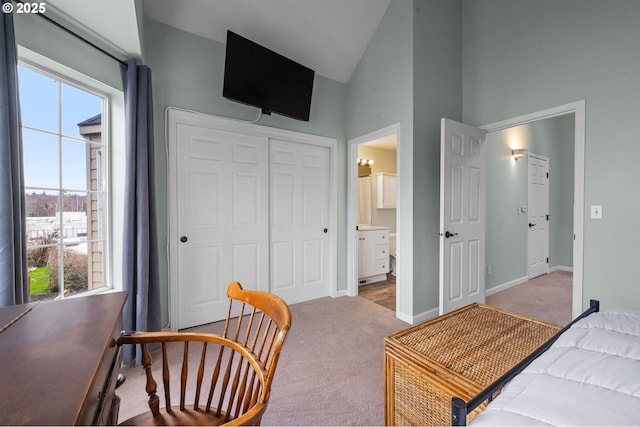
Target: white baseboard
(505, 286)
(418, 318)
(521, 280)
(561, 268)
(338, 294)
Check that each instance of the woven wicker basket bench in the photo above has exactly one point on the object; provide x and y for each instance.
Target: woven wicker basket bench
(457, 354)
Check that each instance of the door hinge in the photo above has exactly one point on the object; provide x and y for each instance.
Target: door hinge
(547, 260)
(548, 217)
(547, 175)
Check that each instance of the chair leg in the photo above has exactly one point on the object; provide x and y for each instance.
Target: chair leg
(152, 386)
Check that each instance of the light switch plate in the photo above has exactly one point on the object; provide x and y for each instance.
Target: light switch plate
(596, 211)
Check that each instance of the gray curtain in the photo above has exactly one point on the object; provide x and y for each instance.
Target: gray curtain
(140, 255)
(14, 288)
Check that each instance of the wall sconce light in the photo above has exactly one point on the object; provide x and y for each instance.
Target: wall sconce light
(365, 162)
(519, 152)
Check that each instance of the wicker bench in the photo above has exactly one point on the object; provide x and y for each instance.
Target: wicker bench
(457, 354)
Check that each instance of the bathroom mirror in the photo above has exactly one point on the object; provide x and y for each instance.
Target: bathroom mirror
(364, 171)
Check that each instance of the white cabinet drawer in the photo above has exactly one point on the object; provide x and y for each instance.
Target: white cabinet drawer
(373, 254)
(382, 265)
(382, 251)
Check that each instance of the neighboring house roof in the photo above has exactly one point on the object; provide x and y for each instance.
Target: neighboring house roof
(95, 120)
(91, 128)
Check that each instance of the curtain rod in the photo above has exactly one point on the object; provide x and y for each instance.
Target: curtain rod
(78, 36)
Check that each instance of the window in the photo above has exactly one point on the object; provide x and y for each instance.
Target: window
(63, 155)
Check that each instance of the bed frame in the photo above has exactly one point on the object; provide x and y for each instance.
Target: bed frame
(460, 408)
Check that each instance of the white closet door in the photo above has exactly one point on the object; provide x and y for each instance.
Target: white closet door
(300, 267)
(223, 226)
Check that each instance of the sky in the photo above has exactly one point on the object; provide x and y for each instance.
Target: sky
(40, 108)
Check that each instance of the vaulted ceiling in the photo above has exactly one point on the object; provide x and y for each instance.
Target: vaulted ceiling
(328, 36)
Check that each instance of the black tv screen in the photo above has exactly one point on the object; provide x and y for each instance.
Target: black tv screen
(260, 77)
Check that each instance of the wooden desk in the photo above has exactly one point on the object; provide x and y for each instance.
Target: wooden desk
(59, 361)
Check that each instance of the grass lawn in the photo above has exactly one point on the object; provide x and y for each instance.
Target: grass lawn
(40, 280)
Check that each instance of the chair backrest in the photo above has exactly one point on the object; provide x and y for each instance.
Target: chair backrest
(236, 367)
(262, 324)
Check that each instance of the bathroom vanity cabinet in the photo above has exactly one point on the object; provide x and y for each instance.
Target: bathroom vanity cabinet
(373, 254)
(387, 191)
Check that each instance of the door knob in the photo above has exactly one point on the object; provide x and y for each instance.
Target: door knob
(448, 234)
(531, 225)
(326, 231)
(183, 239)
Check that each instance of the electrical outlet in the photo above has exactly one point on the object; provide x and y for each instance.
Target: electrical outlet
(596, 211)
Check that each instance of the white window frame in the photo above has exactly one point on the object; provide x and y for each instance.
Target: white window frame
(70, 77)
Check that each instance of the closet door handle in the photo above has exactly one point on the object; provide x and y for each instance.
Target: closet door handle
(448, 234)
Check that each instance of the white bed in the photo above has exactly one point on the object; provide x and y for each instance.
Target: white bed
(589, 376)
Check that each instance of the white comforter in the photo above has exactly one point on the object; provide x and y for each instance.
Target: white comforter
(590, 376)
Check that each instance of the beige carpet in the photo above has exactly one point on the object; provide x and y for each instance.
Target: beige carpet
(547, 297)
(331, 369)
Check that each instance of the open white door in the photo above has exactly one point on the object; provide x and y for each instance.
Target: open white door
(462, 215)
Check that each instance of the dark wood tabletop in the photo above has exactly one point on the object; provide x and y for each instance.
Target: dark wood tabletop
(56, 357)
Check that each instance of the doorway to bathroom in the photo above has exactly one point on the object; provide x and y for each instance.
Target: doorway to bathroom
(373, 208)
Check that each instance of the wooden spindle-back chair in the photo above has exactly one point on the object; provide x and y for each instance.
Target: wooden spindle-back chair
(236, 367)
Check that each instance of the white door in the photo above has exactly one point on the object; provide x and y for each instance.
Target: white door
(538, 234)
(223, 226)
(462, 215)
(300, 182)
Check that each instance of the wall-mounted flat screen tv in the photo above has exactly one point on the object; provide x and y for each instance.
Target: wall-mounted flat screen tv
(257, 76)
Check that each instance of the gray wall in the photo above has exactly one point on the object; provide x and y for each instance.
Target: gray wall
(37, 35)
(507, 191)
(411, 73)
(561, 197)
(437, 93)
(380, 93)
(528, 55)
